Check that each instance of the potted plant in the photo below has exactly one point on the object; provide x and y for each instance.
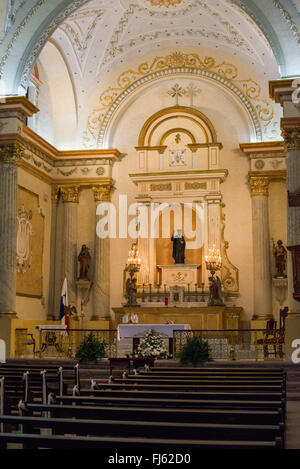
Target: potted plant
(91, 350)
(196, 351)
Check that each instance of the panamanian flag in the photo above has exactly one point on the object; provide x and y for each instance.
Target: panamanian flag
(64, 301)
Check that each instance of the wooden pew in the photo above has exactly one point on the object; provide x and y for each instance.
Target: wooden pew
(233, 388)
(146, 429)
(250, 417)
(173, 403)
(152, 444)
(205, 395)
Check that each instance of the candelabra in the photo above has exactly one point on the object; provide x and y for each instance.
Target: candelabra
(133, 265)
(213, 260)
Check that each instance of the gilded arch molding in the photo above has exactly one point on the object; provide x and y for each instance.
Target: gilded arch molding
(248, 92)
(171, 112)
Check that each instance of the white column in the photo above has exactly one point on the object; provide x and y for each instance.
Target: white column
(292, 138)
(52, 290)
(10, 154)
(261, 248)
(213, 226)
(101, 280)
(70, 196)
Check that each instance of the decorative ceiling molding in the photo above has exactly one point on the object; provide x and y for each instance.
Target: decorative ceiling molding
(164, 3)
(44, 37)
(80, 39)
(225, 33)
(247, 91)
(289, 19)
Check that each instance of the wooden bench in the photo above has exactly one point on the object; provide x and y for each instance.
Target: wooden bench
(146, 429)
(158, 445)
(256, 417)
(233, 388)
(208, 395)
(173, 403)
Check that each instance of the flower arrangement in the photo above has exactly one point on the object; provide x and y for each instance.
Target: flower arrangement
(152, 345)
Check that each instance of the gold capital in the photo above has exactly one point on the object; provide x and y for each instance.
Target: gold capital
(11, 153)
(54, 193)
(70, 194)
(292, 138)
(102, 193)
(259, 185)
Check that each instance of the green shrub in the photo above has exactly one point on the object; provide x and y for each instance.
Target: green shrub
(91, 349)
(196, 351)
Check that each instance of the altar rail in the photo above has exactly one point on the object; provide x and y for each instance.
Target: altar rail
(61, 344)
(234, 344)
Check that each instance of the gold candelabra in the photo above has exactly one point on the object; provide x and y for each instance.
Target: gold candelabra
(213, 260)
(133, 265)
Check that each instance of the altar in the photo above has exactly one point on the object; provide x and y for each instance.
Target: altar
(199, 318)
(136, 331)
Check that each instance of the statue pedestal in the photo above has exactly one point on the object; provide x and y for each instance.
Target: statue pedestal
(178, 274)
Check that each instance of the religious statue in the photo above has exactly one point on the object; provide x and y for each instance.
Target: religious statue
(84, 259)
(280, 254)
(178, 247)
(215, 292)
(131, 291)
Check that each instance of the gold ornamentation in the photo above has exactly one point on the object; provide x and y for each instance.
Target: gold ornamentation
(70, 194)
(176, 60)
(195, 186)
(66, 173)
(100, 171)
(102, 193)
(259, 185)
(248, 91)
(54, 194)
(161, 187)
(230, 273)
(11, 153)
(259, 164)
(292, 138)
(164, 3)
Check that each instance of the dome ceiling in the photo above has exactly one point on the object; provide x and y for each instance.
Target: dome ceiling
(102, 36)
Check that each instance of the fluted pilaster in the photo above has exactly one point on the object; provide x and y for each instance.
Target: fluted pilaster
(291, 134)
(52, 290)
(70, 197)
(10, 154)
(261, 248)
(101, 285)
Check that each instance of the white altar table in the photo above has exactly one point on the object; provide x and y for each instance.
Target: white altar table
(136, 331)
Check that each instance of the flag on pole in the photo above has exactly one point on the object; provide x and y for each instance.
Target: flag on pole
(64, 301)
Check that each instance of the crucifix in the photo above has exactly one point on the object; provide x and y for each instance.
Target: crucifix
(192, 91)
(177, 92)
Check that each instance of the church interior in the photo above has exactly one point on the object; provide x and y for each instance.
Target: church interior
(150, 175)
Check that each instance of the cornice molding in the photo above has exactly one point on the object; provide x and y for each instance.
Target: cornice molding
(263, 147)
(271, 175)
(278, 88)
(20, 104)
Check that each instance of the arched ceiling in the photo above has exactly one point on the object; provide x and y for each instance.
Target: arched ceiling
(106, 33)
(100, 37)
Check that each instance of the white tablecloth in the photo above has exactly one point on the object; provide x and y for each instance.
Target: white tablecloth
(138, 330)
